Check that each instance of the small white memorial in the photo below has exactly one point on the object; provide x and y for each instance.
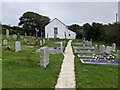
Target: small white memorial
(14, 36)
(17, 46)
(5, 42)
(7, 33)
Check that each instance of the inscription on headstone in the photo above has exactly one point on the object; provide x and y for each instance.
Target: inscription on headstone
(44, 57)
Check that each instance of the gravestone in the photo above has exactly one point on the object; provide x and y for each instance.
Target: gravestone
(90, 43)
(61, 47)
(7, 33)
(114, 46)
(41, 42)
(118, 55)
(18, 35)
(14, 36)
(96, 48)
(25, 34)
(25, 40)
(30, 34)
(17, 46)
(47, 37)
(108, 49)
(5, 42)
(102, 49)
(44, 57)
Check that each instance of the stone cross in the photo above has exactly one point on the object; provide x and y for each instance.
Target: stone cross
(44, 57)
(5, 42)
(7, 33)
(17, 46)
(14, 36)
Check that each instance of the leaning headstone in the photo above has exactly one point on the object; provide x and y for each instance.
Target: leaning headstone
(108, 49)
(14, 36)
(114, 46)
(5, 42)
(17, 46)
(102, 49)
(118, 55)
(7, 33)
(44, 57)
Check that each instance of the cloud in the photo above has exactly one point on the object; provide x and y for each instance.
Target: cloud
(67, 12)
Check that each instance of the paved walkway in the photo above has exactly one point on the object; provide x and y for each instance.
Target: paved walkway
(66, 77)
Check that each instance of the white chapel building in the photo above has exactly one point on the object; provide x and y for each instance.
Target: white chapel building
(57, 29)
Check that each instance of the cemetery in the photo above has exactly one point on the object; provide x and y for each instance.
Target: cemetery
(90, 54)
(35, 64)
(92, 68)
(44, 54)
(23, 65)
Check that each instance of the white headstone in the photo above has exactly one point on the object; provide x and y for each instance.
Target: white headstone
(102, 48)
(14, 36)
(7, 33)
(41, 42)
(108, 49)
(114, 46)
(118, 55)
(25, 34)
(96, 48)
(5, 42)
(17, 46)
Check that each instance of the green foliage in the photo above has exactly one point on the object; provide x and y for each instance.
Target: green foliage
(21, 70)
(77, 29)
(95, 76)
(31, 21)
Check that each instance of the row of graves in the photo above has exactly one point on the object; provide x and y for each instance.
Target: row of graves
(89, 54)
(23, 42)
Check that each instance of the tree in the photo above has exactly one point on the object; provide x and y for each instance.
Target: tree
(31, 22)
(77, 29)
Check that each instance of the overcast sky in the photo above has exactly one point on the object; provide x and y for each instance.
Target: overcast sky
(68, 12)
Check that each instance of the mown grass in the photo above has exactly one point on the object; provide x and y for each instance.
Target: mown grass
(21, 70)
(95, 76)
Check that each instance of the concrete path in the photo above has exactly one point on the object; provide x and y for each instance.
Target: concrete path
(66, 77)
